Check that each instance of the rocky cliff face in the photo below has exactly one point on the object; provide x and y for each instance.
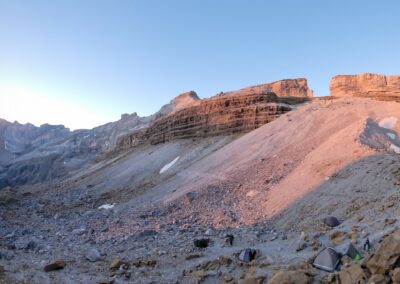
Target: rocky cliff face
(221, 115)
(30, 154)
(365, 85)
(283, 88)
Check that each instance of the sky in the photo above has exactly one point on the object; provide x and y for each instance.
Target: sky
(83, 63)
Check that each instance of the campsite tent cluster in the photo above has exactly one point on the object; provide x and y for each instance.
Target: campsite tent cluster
(328, 259)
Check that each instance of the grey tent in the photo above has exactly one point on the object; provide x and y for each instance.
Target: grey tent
(353, 252)
(327, 259)
(247, 255)
(331, 221)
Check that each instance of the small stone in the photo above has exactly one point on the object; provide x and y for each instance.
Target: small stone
(115, 264)
(390, 221)
(301, 246)
(93, 255)
(201, 243)
(337, 237)
(55, 265)
(79, 231)
(224, 260)
(352, 235)
(359, 218)
(303, 237)
(193, 255)
(251, 279)
(228, 278)
(345, 260)
(379, 279)
(189, 197)
(263, 262)
(390, 204)
(105, 281)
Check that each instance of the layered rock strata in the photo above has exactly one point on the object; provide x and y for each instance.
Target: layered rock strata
(365, 85)
(219, 115)
(283, 88)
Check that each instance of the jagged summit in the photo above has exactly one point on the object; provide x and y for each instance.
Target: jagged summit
(185, 100)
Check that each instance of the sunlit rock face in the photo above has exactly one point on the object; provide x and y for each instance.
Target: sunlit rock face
(224, 114)
(30, 154)
(365, 85)
(283, 88)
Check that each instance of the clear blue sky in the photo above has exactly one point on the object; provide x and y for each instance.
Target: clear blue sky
(103, 58)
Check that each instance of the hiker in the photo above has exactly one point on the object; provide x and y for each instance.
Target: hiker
(367, 245)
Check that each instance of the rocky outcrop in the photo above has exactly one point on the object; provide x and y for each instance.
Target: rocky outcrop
(185, 100)
(220, 115)
(30, 154)
(387, 256)
(365, 85)
(283, 88)
(290, 277)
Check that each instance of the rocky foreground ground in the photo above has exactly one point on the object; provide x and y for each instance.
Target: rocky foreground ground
(41, 244)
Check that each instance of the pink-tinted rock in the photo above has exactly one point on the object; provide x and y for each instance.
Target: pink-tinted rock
(365, 85)
(227, 113)
(283, 88)
(185, 100)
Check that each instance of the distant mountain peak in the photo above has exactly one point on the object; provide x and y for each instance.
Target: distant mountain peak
(185, 100)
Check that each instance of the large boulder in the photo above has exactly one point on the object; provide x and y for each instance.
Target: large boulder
(396, 276)
(386, 256)
(352, 274)
(290, 277)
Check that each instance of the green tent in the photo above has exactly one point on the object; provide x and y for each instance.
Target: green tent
(353, 252)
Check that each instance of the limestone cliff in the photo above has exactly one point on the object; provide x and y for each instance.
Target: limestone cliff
(365, 85)
(220, 115)
(283, 88)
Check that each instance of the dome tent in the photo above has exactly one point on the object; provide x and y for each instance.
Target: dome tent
(247, 255)
(327, 259)
(331, 221)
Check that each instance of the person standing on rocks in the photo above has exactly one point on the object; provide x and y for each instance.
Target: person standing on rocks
(367, 245)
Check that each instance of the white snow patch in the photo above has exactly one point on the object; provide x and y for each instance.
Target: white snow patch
(395, 149)
(6, 146)
(167, 166)
(107, 206)
(391, 135)
(388, 122)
